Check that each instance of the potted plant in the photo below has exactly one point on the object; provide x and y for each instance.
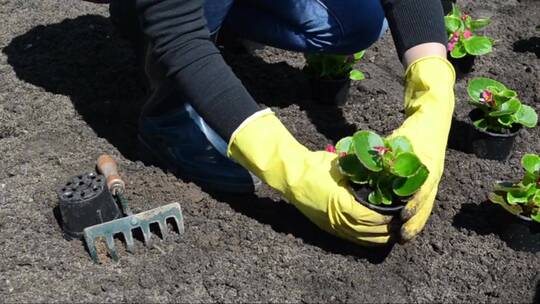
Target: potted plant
(463, 42)
(330, 76)
(496, 119)
(383, 173)
(521, 203)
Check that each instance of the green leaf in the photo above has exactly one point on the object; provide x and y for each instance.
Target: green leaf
(399, 144)
(364, 143)
(477, 45)
(506, 120)
(536, 217)
(507, 108)
(508, 93)
(406, 164)
(481, 124)
(458, 51)
(406, 186)
(516, 197)
(478, 24)
(526, 116)
(374, 198)
(385, 194)
(506, 187)
(531, 163)
(359, 55)
(344, 145)
(350, 166)
(356, 75)
(529, 178)
(452, 23)
(476, 86)
(499, 199)
(456, 12)
(536, 198)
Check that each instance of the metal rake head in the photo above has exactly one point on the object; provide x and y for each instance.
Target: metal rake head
(128, 224)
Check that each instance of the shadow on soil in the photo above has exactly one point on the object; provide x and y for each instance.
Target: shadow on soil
(488, 218)
(291, 221)
(536, 298)
(84, 59)
(280, 85)
(531, 45)
(81, 58)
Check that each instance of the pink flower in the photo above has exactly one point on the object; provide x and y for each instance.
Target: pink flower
(381, 150)
(464, 17)
(486, 97)
(451, 46)
(467, 34)
(330, 149)
(455, 37)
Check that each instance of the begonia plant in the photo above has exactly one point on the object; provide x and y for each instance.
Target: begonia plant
(462, 39)
(387, 165)
(327, 66)
(521, 198)
(500, 106)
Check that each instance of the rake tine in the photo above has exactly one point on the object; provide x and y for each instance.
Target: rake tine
(129, 241)
(92, 249)
(146, 233)
(163, 228)
(111, 247)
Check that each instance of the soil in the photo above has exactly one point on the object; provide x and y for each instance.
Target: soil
(70, 91)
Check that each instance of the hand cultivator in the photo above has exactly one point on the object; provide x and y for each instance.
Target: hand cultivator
(99, 222)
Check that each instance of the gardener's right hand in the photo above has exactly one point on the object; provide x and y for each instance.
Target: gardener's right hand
(309, 180)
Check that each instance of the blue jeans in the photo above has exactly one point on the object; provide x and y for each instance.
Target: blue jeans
(309, 26)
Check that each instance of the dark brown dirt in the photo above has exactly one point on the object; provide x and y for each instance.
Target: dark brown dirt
(69, 92)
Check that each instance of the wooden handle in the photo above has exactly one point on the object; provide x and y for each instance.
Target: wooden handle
(106, 165)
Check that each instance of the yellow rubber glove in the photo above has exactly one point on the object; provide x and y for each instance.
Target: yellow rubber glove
(309, 180)
(429, 104)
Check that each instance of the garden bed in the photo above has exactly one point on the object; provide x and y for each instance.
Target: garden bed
(69, 91)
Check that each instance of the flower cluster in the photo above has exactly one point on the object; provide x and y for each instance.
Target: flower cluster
(462, 40)
(455, 38)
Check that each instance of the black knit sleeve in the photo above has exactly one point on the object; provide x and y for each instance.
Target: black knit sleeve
(180, 39)
(413, 22)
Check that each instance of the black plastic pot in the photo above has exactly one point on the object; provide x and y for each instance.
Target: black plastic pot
(464, 136)
(462, 66)
(84, 201)
(329, 91)
(489, 145)
(519, 232)
(361, 193)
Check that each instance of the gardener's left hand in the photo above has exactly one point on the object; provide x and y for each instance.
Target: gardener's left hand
(429, 104)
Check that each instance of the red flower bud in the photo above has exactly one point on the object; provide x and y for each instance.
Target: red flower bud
(342, 154)
(381, 150)
(330, 149)
(487, 97)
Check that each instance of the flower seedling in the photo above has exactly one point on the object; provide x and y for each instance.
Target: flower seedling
(388, 166)
(327, 66)
(522, 198)
(500, 106)
(462, 39)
